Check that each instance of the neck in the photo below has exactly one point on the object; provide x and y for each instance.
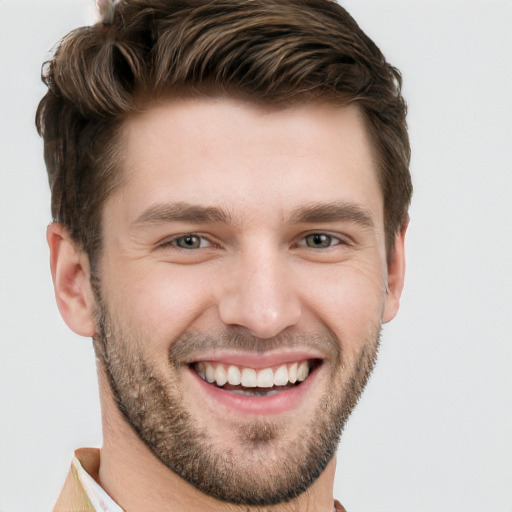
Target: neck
(138, 481)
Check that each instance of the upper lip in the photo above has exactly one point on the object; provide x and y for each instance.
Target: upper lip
(256, 361)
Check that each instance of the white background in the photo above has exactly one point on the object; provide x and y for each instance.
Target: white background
(433, 431)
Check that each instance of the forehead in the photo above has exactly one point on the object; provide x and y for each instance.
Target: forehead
(218, 151)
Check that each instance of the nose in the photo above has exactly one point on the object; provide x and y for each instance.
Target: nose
(259, 295)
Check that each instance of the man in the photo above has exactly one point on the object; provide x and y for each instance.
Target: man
(230, 189)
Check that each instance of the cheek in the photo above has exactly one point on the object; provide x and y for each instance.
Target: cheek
(157, 305)
(350, 303)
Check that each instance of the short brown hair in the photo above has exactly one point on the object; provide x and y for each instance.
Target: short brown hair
(266, 51)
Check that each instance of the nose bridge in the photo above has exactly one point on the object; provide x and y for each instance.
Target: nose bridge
(260, 294)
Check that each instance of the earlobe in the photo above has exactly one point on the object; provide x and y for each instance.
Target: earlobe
(71, 281)
(396, 276)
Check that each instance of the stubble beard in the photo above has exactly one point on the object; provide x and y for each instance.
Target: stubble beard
(265, 467)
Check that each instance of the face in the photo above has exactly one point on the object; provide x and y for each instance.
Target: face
(242, 286)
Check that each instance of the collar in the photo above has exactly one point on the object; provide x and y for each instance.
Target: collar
(82, 492)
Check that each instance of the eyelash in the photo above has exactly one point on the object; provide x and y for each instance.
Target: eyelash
(332, 239)
(174, 241)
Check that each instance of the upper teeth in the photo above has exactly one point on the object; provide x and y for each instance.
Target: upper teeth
(251, 378)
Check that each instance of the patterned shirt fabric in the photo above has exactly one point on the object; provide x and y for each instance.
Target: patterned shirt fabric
(82, 493)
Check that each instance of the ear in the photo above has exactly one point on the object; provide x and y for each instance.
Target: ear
(396, 275)
(71, 281)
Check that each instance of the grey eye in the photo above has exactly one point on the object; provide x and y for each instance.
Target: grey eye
(319, 241)
(189, 242)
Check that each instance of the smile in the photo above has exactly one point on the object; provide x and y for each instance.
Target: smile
(232, 375)
(273, 389)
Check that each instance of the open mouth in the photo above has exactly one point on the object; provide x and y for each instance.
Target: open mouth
(256, 382)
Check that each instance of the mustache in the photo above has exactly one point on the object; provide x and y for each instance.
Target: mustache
(189, 345)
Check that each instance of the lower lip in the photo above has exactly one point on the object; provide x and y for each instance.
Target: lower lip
(258, 405)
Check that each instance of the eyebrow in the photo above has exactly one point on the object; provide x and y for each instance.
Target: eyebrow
(314, 213)
(332, 212)
(184, 212)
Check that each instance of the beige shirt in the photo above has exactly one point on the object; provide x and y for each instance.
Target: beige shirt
(82, 492)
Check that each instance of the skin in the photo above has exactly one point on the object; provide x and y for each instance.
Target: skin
(255, 272)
